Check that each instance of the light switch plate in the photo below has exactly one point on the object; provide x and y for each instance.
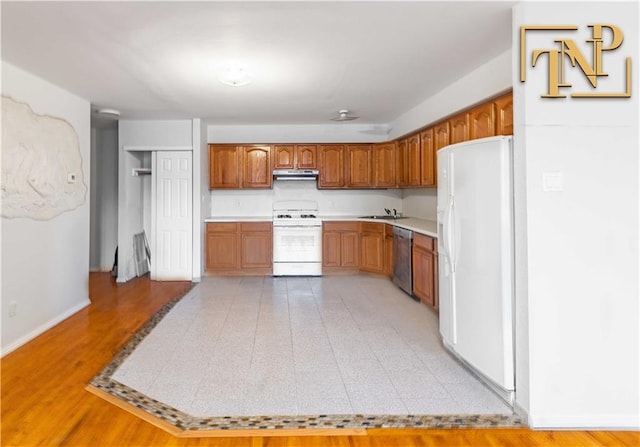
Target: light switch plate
(552, 181)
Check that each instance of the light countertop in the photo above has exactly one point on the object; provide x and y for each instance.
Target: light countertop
(423, 226)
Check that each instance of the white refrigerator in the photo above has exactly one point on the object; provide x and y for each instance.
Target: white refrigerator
(476, 258)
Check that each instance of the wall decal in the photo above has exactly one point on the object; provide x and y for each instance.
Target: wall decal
(41, 164)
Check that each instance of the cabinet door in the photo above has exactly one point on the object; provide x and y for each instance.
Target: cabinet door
(256, 163)
(255, 249)
(222, 247)
(331, 249)
(482, 121)
(306, 156)
(384, 165)
(223, 166)
(504, 114)
(413, 160)
(372, 251)
(423, 269)
(359, 166)
(388, 250)
(331, 166)
(441, 135)
(459, 128)
(349, 249)
(402, 163)
(427, 158)
(283, 156)
(423, 276)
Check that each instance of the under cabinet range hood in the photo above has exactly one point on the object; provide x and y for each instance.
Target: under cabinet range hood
(295, 174)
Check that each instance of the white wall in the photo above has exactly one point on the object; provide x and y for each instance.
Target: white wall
(420, 203)
(488, 80)
(330, 202)
(104, 196)
(136, 139)
(290, 133)
(199, 148)
(45, 264)
(577, 333)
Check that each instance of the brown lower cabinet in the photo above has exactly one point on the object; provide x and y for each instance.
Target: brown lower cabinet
(388, 250)
(372, 247)
(424, 266)
(340, 247)
(246, 248)
(239, 248)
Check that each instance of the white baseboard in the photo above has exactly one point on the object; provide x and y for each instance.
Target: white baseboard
(581, 422)
(520, 411)
(43, 328)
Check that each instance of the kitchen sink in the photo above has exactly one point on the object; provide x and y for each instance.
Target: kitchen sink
(382, 216)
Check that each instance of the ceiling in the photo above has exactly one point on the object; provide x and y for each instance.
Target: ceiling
(307, 60)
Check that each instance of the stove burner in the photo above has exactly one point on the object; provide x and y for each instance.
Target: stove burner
(308, 216)
(284, 216)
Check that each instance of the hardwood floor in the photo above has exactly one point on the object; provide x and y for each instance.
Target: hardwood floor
(44, 401)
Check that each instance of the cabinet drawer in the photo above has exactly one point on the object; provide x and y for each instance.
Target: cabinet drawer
(422, 241)
(372, 227)
(255, 226)
(222, 227)
(340, 226)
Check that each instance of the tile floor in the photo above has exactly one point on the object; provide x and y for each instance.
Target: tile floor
(301, 346)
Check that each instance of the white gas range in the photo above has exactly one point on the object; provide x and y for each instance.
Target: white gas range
(297, 238)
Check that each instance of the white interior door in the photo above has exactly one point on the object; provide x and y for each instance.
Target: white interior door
(173, 216)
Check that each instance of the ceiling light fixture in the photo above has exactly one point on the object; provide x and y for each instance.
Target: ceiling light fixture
(235, 77)
(109, 113)
(343, 115)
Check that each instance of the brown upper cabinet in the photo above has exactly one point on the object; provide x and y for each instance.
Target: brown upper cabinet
(482, 121)
(441, 135)
(459, 128)
(359, 166)
(284, 156)
(294, 156)
(413, 160)
(406, 162)
(384, 165)
(427, 158)
(331, 166)
(306, 156)
(224, 166)
(402, 163)
(256, 166)
(504, 114)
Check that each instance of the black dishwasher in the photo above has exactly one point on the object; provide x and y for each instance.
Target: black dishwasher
(402, 244)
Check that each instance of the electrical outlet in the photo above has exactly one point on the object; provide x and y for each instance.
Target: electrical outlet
(13, 308)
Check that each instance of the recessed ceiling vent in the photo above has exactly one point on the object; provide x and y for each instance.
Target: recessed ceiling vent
(344, 115)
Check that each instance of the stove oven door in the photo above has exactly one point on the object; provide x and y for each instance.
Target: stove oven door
(293, 244)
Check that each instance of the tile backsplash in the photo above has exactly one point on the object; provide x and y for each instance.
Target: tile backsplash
(419, 203)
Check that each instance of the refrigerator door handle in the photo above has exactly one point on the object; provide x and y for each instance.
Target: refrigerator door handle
(450, 233)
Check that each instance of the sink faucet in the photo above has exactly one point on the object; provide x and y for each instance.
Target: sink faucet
(395, 213)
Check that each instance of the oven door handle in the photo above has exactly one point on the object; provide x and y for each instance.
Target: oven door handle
(281, 227)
